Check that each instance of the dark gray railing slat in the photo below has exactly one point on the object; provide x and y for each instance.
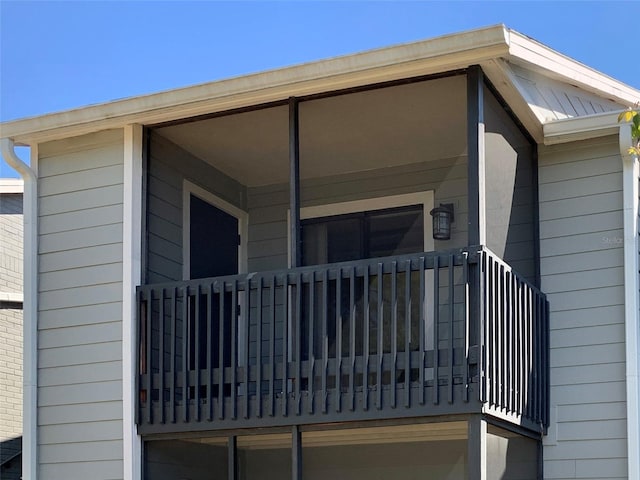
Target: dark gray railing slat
(149, 349)
(297, 325)
(272, 345)
(436, 327)
(185, 354)
(310, 346)
(407, 335)
(451, 327)
(161, 356)
(174, 347)
(352, 338)
(245, 320)
(338, 344)
(196, 349)
(465, 327)
(234, 350)
(325, 339)
(259, 350)
(394, 332)
(285, 349)
(365, 342)
(422, 328)
(221, 349)
(380, 313)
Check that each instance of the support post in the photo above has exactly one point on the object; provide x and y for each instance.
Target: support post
(294, 183)
(232, 457)
(475, 158)
(477, 448)
(296, 453)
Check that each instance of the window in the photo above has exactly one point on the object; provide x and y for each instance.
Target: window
(370, 228)
(370, 234)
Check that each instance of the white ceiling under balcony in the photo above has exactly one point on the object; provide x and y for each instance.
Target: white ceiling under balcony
(354, 132)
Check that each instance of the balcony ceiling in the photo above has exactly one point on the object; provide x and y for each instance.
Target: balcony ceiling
(354, 132)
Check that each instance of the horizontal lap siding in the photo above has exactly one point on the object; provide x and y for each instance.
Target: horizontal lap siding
(268, 205)
(168, 166)
(582, 275)
(80, 307)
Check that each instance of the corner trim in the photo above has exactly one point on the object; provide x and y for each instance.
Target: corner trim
(630, 176)
(131, 276)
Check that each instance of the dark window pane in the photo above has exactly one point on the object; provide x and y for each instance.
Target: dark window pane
(355, 236)
(214, 241)
(396, 232)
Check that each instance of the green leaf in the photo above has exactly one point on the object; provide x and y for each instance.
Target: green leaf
(627, 116)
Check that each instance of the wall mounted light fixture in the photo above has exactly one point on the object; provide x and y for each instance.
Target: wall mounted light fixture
(442, 219)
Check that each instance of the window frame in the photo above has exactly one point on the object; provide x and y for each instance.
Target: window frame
(424, 198)
(190, 188)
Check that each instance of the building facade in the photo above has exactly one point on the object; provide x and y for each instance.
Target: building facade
(10, 328)
(245, 279)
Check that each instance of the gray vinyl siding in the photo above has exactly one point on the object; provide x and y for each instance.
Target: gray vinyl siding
(582, 275)
(168, 166)
(268, 205)
(80, 307)
(509, 190)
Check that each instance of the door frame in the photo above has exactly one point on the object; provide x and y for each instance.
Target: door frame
(190, 188)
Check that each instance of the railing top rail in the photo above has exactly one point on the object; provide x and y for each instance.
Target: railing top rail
(509, 268)
(371, 263)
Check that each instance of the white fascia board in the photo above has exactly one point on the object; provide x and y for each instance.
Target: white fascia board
(537, 56)
(499, 73)
(11, 185)
(436, 55)
(581, 128)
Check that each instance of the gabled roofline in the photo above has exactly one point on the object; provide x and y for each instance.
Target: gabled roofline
(432, 56)
(449, 52)
(528, 52)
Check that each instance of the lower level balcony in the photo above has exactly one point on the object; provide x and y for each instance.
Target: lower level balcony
(427, 334)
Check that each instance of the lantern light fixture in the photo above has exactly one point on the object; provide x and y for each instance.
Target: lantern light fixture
(442, 219)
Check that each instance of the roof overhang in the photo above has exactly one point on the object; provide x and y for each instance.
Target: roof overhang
(437, 55)
(581, 128)
(491, 47)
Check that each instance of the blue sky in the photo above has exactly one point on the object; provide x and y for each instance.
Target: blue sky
(60, 55)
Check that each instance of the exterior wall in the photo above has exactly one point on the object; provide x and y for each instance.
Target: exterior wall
(268, 206)
(582, 275)
(168, 166)
(510, 184)
(11, 227)
(80, 307)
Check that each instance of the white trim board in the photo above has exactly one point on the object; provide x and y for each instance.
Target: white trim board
(131, 277)
(11, 185)
(190, 188)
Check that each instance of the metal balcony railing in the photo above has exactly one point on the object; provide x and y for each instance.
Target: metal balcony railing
(425, 334)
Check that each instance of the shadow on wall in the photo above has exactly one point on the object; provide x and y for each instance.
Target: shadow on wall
(11, 459)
